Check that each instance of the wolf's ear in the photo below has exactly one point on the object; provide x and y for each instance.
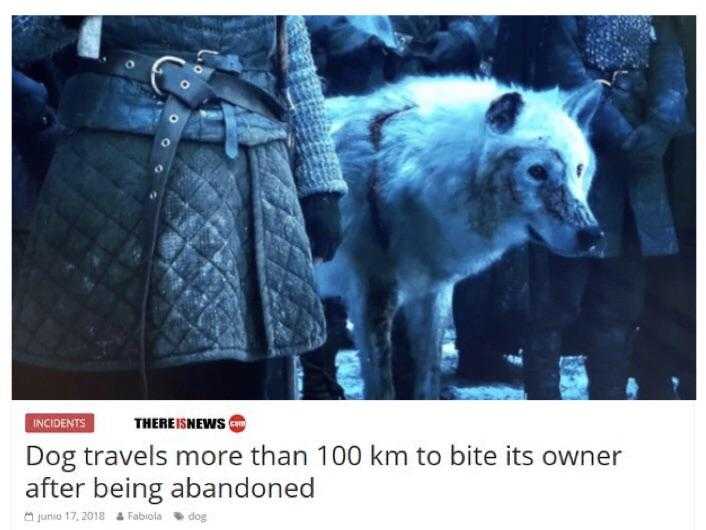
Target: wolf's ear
(583, 103)
(503, 112)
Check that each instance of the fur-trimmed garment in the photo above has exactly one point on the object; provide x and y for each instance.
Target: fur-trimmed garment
(232, 276)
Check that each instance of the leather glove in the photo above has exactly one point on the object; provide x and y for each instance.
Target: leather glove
(454, 50)
(322, 220)
(647, 140)
(72, 21)
(645, 148)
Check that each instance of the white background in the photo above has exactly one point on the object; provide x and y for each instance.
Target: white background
(654, 488)
(650, 488)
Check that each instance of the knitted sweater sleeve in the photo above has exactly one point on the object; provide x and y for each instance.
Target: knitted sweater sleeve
(316, 167)
(37, 37)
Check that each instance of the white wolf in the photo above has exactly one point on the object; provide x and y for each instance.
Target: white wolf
(446, 174)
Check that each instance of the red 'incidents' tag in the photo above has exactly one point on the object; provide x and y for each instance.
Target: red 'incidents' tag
(59, 422)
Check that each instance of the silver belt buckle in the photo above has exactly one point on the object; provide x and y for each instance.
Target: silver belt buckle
(156, 70)
(614, 76)
(201, 53)
(617, 74)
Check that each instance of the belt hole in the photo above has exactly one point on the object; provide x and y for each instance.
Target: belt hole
(166, 142)
(173, 118)
(184, 84)
(129, 64)
(158, 168)
(198, 68)
(153, 195)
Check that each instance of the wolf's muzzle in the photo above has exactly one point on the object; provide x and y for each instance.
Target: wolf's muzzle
(588, 238)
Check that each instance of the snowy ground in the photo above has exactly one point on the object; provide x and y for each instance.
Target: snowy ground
(573, 378)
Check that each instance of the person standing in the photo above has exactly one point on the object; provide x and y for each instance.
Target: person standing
(665, 345)
(592, 304)
(170, 254)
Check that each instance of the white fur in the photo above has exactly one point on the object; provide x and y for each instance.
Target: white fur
(428, 158)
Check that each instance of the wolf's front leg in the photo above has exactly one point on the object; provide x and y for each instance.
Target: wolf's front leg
(426, 319)
(372, 320)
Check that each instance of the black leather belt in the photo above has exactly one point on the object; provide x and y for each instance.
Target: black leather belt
(166, 73)
(186, 87)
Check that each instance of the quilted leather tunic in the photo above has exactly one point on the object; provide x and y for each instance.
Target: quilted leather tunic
(232, 274)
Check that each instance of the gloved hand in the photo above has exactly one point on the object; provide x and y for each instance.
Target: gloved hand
(72, 21)
(453, 51)
(645, 148)
(322, 219)
(647, 139)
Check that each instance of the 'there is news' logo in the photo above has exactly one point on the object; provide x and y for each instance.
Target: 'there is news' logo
(235, 423)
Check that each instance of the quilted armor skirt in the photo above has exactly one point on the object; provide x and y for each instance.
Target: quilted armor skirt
(232, 274)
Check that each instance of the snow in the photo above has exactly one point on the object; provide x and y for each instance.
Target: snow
(573, 378)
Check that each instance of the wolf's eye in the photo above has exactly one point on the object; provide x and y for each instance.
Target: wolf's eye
(579, 170)
(537, 172)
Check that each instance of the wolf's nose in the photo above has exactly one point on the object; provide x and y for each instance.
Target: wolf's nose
(589, 237)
